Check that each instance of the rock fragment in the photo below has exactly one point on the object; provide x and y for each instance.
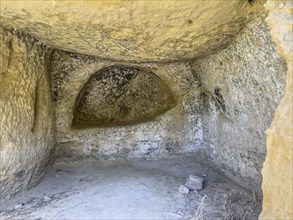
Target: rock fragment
(194, 182)
(183, 189)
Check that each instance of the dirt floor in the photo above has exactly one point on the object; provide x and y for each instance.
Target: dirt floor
(133, 190)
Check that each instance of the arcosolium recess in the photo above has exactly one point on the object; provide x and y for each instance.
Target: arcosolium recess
(120, 95)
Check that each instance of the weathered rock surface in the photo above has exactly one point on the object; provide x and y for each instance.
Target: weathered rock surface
(177, 131)
(243, 85)
(130, 30)
(121, 95)
(224, 102)
(278, 167)
(26, 113)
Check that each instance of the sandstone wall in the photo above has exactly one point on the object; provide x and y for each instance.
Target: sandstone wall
(145, 30)
(176, 131)
(244, 84)
(26, 113)
(278, 167)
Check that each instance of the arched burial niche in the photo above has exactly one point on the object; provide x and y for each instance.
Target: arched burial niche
(121, 95)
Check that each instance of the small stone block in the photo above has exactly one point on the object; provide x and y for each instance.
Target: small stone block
(183, 189)
(194, 182)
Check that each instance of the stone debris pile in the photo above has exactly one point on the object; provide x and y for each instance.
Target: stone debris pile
(192, 183)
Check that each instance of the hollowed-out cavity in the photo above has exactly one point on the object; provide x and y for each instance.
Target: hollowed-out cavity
(120, 95)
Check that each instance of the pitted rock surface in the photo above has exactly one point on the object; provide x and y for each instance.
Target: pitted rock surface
(121, 95)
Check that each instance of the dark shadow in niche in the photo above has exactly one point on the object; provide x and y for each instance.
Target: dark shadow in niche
(121, 95)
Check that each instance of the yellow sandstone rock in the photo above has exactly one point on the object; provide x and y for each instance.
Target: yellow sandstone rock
(278, 168)
(130, 30)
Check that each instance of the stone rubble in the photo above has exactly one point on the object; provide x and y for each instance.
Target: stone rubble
(183, 189)
(194, 182)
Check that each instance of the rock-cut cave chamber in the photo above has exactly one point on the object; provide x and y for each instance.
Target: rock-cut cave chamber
(106, 107)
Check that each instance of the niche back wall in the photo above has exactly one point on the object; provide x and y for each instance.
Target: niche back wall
(125, 111)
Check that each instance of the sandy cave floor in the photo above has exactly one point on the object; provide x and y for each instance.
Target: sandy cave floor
(131, 190)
